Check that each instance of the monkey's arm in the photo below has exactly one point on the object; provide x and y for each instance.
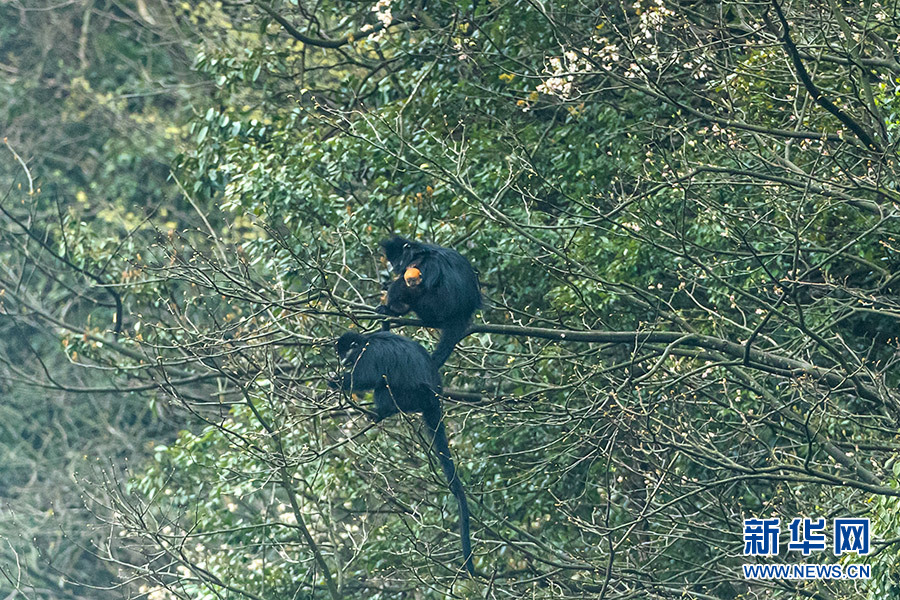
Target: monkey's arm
(339, 381)
(397, 299)
(362, 372)
(352, 382)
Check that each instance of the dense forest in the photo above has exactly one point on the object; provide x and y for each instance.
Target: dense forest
(685, 220)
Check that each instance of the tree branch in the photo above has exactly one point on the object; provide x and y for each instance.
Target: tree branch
(321, 42)
(814, 91)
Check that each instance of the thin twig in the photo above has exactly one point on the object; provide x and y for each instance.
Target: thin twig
(24, 167)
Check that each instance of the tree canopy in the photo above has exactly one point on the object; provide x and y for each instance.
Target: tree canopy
(684, 216)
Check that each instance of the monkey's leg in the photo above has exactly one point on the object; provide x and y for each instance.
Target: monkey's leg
(385, 404)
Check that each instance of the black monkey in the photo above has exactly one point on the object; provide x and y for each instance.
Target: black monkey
(436, 283)
(404, 379)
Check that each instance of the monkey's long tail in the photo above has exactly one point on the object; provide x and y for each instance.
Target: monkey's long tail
(442, 450)
(451, 335)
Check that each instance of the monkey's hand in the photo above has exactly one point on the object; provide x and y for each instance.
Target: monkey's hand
(334, 382)
(373, 416)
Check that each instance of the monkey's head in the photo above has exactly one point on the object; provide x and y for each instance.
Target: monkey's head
(349, 345)
(412, 276)
(400, 252)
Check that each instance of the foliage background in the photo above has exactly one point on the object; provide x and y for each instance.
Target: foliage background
(684, 216)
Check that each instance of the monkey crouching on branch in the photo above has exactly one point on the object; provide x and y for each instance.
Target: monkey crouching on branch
(404, 378)
(436, 283)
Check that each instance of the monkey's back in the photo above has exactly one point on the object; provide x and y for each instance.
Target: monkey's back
(404, 363)
(455, 293)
